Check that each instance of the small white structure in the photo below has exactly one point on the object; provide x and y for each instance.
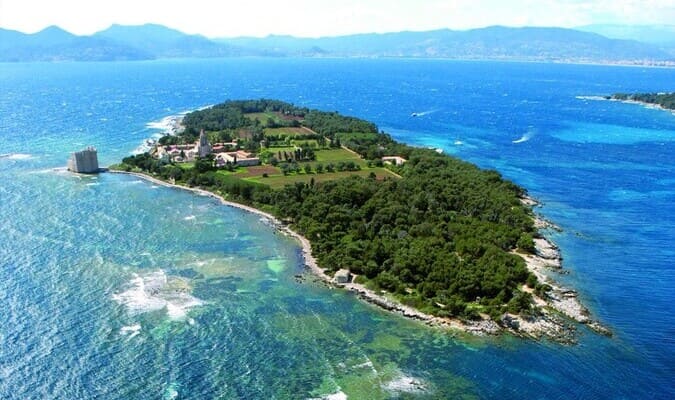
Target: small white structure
(342, 276)
(396, 160)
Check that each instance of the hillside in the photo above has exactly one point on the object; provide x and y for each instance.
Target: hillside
(161, 42)
(144, 42)
(55, 44)
(499, 43)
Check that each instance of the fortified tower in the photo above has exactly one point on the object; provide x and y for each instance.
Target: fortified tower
(203, 146)
(84, 162)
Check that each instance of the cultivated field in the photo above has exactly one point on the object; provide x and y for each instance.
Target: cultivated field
(279, 181)
(284, 132)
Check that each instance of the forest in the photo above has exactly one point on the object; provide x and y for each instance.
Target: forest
(665, 100)
(439, 238)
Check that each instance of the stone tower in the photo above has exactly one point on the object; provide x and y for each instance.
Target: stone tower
(84, 162)
(203, 146)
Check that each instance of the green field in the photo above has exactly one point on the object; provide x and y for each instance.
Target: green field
(336, 155)
(279, 181)
(313, 143)
(276, 150)
(291, 132)
(263, 116)
(225, 172)
(357, 136)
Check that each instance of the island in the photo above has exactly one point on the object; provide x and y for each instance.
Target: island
(665, 101)
(409, 229)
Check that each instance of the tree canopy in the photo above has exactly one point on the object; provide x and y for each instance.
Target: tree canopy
(440, 238)
(665, 100)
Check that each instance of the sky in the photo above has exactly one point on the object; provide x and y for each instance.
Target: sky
(314, 18)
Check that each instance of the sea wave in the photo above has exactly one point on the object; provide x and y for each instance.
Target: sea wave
(170, 125)
(423, 113)
(406, 384)
(333, 396)
(527, 136)
(155, 291)
(16, 156)
(594, 98)
(130, 330)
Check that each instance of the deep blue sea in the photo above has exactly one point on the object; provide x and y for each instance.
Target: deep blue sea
(112, 288)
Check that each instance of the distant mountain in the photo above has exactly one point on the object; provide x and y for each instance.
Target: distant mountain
(493, 43)
(655, 34)
(55, 44)
(501, 43)
(662, 36)
(163, 42)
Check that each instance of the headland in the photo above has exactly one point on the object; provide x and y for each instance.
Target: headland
(429, 237)
(663, 101)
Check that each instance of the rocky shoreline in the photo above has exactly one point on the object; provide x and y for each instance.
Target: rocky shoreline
(560, 303)
(559, 300)
(642, 103)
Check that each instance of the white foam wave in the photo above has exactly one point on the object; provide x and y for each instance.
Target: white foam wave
(594, 98)
(170, 125)
(156, 291)
(16, 156)
(336, 396)
(130, 330)
(406, 384)
(333, 396)
(527, 136)
(171, 392)
(167, 125)
(423, 113)
(59, 171)
(190, 218)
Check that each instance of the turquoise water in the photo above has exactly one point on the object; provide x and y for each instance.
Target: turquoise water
(114, 288)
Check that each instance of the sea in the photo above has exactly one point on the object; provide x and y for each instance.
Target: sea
(114, 288)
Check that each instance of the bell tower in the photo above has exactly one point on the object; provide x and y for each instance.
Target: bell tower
(203, 146)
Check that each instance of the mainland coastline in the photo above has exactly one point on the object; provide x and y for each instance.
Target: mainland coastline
(559, 306)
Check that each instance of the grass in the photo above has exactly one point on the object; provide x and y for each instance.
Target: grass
(336, 155)
(292, 132)
(224, 172)
(186, 165)
(263, 116)
(279, 181)
(356, 135)
(275, 149)
(258, 171)
(313, 143)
